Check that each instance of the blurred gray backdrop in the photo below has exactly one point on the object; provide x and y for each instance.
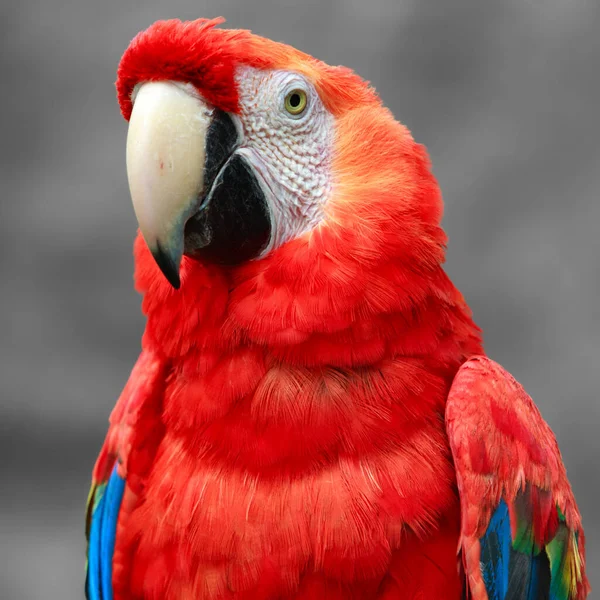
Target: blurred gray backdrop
(506, 96)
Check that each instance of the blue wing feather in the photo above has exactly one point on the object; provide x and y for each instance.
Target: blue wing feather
(509, 574)
(495, 553)
(101, 545)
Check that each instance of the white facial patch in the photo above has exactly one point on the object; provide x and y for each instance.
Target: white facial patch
(290, 153)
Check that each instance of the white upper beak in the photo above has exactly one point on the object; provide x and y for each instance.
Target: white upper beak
(166, 146)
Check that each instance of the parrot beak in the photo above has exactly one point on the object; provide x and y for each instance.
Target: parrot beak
(165, 158)
(192, 192)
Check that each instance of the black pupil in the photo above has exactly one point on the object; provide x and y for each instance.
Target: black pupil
(295, 100)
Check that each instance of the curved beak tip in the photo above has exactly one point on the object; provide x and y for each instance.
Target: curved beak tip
(167, 264)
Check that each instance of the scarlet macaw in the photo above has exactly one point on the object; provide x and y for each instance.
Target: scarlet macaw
(312, 414)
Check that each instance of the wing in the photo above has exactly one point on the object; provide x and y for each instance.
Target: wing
(521, 534)
(116, 479)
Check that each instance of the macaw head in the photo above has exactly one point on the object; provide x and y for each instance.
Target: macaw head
(244, 151)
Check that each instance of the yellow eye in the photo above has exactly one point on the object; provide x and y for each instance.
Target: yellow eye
(295, 102)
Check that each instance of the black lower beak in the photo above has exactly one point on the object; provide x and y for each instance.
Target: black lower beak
(234, 225)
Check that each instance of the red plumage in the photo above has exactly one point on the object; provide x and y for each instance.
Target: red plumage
(283, 432)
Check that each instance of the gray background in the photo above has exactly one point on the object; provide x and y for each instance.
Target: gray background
(505, 94)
